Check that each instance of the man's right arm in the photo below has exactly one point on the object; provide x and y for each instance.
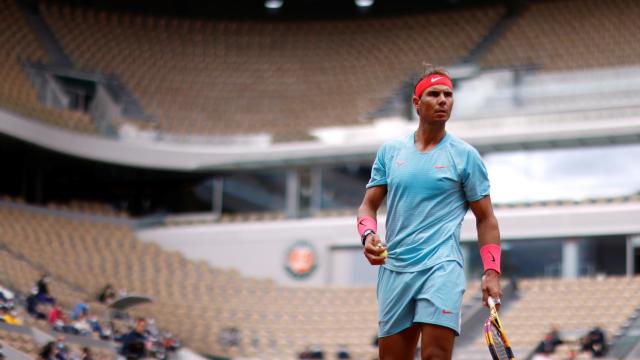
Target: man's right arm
(372, 201)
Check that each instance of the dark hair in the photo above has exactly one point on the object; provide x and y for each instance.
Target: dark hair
(47, 350)
(431, 70)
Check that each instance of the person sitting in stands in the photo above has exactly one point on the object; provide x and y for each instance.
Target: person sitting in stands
(79, 310)
(550, 342)
(107, 294)
(97, 328)
(42, 290)
(133, 343)
(55, 314)
(32, 307)
(81, 325)
(86, 354)
(58, 321)
(48, 351)
(595, 342)
(62, 352)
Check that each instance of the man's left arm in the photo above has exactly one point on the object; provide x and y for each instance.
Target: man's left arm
(489, 244)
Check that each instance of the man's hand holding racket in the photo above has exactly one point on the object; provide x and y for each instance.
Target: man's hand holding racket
(491, 287)
(375, 250)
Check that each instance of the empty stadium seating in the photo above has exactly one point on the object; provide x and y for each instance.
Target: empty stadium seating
(569, 35)
(197, 302)
(192, 299)
(281, 78)
(21, 342)
(572, 306)
(26, 344)
(17, 93)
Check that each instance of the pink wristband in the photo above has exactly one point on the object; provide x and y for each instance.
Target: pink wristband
(490, 255)
(365, 223)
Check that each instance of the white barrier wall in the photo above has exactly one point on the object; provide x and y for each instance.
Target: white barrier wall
(260, 249)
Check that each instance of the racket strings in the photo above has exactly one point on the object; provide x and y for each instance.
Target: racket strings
(498, 344)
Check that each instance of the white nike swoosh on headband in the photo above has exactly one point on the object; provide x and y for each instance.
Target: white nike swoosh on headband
(436, 78)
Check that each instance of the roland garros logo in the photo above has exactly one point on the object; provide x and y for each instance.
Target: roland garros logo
(301, 260)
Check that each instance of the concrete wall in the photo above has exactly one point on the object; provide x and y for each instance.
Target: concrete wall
(259, 249)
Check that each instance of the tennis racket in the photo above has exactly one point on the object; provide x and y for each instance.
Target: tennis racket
(495, 336)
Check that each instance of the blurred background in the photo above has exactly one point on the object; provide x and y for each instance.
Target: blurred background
(180, 178)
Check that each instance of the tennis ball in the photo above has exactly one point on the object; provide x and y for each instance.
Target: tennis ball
(382, 246)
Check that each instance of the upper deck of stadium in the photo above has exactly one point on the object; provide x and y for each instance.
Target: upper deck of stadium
(223, 89)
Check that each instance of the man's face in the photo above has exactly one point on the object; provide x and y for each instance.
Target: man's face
(141, 326)
(435, 104)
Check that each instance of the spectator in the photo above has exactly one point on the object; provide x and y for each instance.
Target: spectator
(595, 342)
(152, 329)
(86, 354)
(97, 328)
(55, 314)
(48, 351)
(343, 353)
(58, 321)
(62, 350)
(550, 342)
(78, 310)
(107, 294)
(82, 325)
(32, 307)
(133, 343)
(42, 290)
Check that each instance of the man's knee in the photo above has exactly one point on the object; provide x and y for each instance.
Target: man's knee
(436, 353)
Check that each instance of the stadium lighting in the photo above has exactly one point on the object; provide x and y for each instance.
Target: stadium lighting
(273, 4)
(364, 3)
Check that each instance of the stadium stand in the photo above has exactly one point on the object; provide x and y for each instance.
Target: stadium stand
(192, 300)
(89, 207)
(199, 303)
(570, 35)
(20, 342)
(574, 306)
(226, 77)
(17, 94)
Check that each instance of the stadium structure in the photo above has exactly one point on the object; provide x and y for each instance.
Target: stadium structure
(210, 156)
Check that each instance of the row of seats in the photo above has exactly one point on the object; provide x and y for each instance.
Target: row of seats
(280, 78)
(570, 35)
(192, 299)
(198, 302)
(575, 306)
(17, 94)
(26, 344)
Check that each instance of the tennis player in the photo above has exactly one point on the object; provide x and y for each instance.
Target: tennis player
(431, 178)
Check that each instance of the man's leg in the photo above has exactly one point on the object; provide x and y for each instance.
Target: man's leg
(437, 342)
(400, 346)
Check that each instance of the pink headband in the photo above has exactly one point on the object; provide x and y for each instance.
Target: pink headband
(432, 80)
